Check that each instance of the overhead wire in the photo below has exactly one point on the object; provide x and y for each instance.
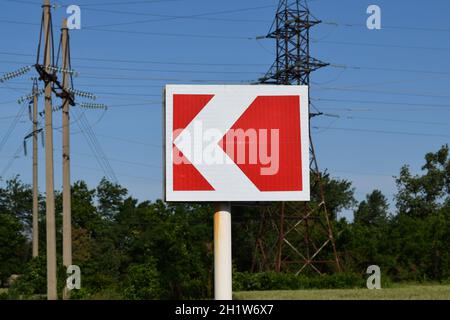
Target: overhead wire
(11, 161)
(333, 65)
(171, 17)
(420, 134)
(386, 92)
(384, 102)
(12, 126)
(96, 148)
(411, 28)
(193, 16)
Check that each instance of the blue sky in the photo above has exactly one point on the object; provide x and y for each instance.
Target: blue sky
(386, 93)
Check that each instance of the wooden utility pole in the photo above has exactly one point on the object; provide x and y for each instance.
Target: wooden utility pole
(35, 172)
(67, 214)
(67, 210)
(49, 173)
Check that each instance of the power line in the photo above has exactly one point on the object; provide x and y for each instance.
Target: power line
(135, 104)
(169, 71)
(183, 35)
(139, 164)
(120, 3)
(122, 174)
(434, 105)
(11, 161)
(95, 4)
(385, 92)
(128, 94)
(135, 61)
(19, 22)
(11, 127)
(343, 66)
(167, 34)
(335, 65)
(24, 2)
(130, 141)
(393, 120)
(385, 132)
(95, 147)
(169, 17)
(359, 25)
(17, 156)
(338, 66)
(225, 37)
(381, 45)
(79, 67)
(128, 78)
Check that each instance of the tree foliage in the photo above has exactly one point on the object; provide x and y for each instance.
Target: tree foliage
(155, 250)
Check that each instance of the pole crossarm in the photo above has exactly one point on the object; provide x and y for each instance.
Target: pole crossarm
(59, 91)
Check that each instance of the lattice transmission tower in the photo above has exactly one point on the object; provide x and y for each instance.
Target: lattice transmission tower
(304, 229)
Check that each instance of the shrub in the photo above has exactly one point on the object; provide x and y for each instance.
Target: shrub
(82, 294)
(243, 281)
(32, 282)
(142, 282)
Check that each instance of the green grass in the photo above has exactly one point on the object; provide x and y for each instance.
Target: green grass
(403, 292)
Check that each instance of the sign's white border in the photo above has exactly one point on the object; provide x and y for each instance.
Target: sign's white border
(230, 193)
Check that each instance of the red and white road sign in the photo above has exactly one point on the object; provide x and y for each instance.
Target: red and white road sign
(236, 143)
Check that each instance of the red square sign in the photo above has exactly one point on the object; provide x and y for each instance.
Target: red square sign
(236, 143)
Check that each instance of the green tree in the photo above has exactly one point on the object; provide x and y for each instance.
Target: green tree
(373, 210)
(13, 246)
(423, 195)
(93, 239)
(17, 198)
(14, 227)
(177, 235)
(110, 197)
(339, 194)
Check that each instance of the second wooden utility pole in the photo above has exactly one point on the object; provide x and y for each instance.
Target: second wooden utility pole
(67, 214)
(49, 173)
(35, 172)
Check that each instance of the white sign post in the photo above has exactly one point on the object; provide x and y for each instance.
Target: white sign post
(222, 252)
(229, 143)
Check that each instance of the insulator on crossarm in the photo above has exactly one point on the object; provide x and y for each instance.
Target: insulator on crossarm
(61, 70)
(82, 94)
(30, 96)
(93, 105)
(15, 74)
